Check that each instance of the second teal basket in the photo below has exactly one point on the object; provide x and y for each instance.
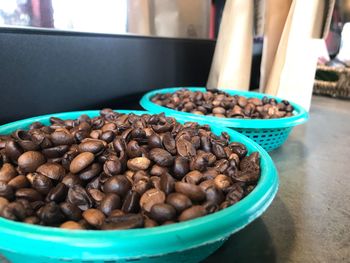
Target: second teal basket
(270, 133)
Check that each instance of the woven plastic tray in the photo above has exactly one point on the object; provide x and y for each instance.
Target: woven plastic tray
(269, 133)
(189, 241)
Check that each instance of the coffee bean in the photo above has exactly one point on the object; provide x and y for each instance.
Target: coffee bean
(179, 201)
(158, 170)
(128, 221)
(119, 185)
(56, 151)
(214, 195)
(162, 212)
(167, 183)
(7, 172)
(194, 192)
(29, 161)
(139, 163)
(185, 148)
(62, 137)
(81, 161)
(115, 213)
(161, 157)
(53, 171)
(41, 183)
(192, 213)
(169, 143)
(3, 203)
(70, 211)
(13, 150)
(70, 180)
(14, 211)
(109, 203)
(193, 177)
(71, 225)
(6, 190)
(33, 220)
(90, 172)
(131, 202)
(29, 194)
(222, 181)
(133, 149)
(181, 167)
(78, 196)
(51, 214)
(96, 195)
(150, 223)
(92, 146)
(150, 198)
(58, 193)
(94, 217)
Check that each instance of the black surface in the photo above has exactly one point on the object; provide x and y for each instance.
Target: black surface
(46, 71)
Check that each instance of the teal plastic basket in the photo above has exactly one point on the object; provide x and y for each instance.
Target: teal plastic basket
(190, 241)
(269, 133)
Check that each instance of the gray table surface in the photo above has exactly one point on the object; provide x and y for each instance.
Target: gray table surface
(309, 220)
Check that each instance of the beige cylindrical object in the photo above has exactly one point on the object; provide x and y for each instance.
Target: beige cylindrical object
(276, 12)
(232, 59)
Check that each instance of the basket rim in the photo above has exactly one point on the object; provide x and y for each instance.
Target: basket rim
(53, 242)
(300, 117)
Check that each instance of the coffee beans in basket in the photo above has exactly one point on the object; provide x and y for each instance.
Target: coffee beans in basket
(120, 171)
(221, 104)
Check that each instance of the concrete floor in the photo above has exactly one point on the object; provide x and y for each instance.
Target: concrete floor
(309, 220)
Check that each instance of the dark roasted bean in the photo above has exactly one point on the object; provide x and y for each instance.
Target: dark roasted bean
(192, 213)
(53, 171)
(179, 201)
(29, 161)
(162, 212)
(150, 198)
(131, 202)
(194, 192)
(72, 212)
(119, 185)
(161, 157)
(78, 196)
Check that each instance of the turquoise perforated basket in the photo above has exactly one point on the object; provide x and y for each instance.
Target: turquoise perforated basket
(269, 133)
(190, 241)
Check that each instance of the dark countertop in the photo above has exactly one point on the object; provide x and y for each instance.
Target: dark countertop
(309, 220)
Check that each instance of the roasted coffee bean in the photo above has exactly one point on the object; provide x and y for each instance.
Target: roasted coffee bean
(214, 195)
(162, 212)
(193, 177)
(51, 214)
(112, 166)
(41, 183)
(28, 193)
(239, 149)
(29, 161)
(139, 163)
(181, 167)
(149, 223)
(58, 193)
(13, 150)
(169, 143)
(71, 179)
(115, 213)
(3, 203)
(161, 157)
(80, 162)
(90, 172)
(94, 217)
(157, 170)
(14, 211)
(7, 172)
(194, 192)
(185, 148)
(119, 185)
(33, 220)
(72, 225)
(96, 195)
(179, 201)
(70, 211)
(6, 191)
(128, 221)
(56, 151)
(131, 202)
(109, 203)
(53, 171)
(220, 104)
(62, 137)
(222, 181)
(167, 183)
(207, 183)
(133, 149)
(142, 185)
(92, 146)
(150, 198)
(78, 196)
(192, 213)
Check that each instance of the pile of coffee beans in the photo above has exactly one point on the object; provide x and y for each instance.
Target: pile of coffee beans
(120, 171)
(221, 104)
